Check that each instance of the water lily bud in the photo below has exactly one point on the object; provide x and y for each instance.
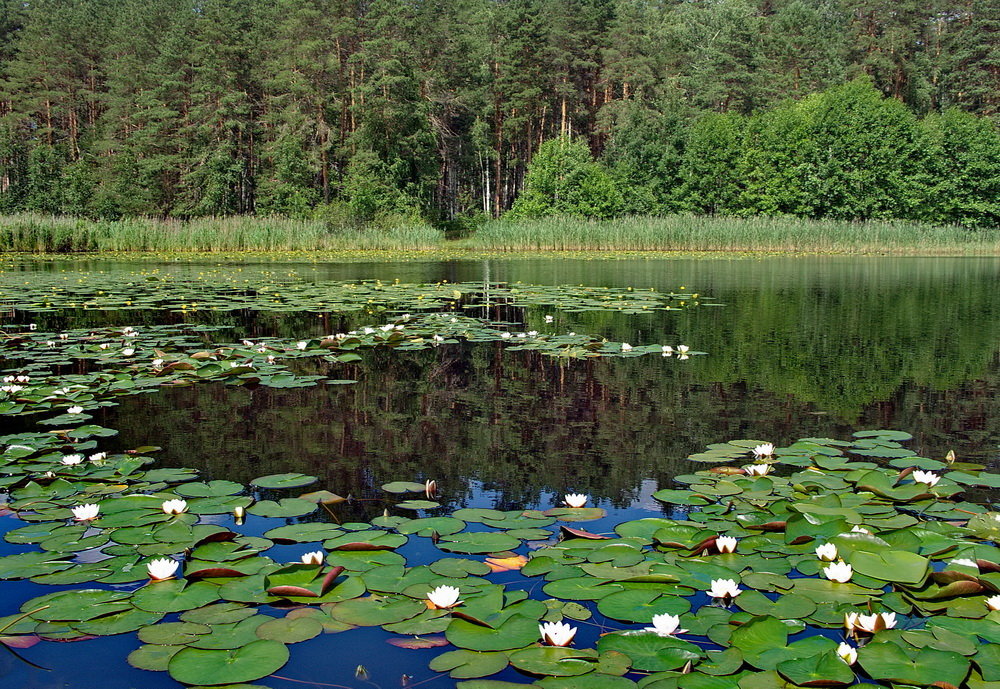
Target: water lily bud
(556, 633)
(848, 653)
(82, 513)
(175, 506)
(575, 499)
(430, 488)
(443, 597)
(162, 568)
(827, 552)
(950, 457)
(665, 625)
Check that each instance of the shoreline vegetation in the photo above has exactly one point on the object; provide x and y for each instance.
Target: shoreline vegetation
(42, 234)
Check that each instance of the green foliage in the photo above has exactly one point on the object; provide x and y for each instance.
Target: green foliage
(563, 179)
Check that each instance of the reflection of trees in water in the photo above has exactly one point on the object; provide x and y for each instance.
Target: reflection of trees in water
(520, 424)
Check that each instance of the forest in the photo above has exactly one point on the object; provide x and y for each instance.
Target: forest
(456, 111)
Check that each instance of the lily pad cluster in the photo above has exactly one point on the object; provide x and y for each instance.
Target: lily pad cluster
(749, 564)
(231, 289)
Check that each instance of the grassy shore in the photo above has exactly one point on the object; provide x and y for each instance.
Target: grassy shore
(47, 234)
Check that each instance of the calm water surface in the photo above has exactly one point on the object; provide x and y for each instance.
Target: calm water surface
(803, 347)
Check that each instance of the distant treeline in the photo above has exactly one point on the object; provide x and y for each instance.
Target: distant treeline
(398, 110)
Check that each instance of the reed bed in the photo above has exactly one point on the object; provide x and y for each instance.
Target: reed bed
(699, 233)
(53, 234)
(60, 234)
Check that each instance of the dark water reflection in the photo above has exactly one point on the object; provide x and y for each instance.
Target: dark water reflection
(803, 347)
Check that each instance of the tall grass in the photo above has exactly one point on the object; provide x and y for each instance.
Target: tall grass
(40, 233)
(698, 233)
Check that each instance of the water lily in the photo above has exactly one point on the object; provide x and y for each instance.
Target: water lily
(98, 457)
(757, 469)
(764, 450)
(827, 552)
(175, 506)
(840, 572)
(83, 513)
(128, 351)
(532, 333)
(430, 488)
(725, 544)
(75, 410)
(683, 349)
(993, 602)
(504, 336)
(238, 513)
(301, 345)
(313, 558)
(724, 588)
(443, 597)
(665, 625)
(162, 568)
(71, 460)
(626, 347)
(549, 319)
(927, 477)
(667, 350)
(556, 633)
(868, 624)
(847, 653)
(575, 499)
(860, 529)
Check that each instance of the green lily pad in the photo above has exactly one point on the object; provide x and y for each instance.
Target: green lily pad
(555, 661)
(649, 651)
(245, 664)
(289, 480)
(465, 664)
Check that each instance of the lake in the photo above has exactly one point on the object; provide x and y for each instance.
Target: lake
(795, 347)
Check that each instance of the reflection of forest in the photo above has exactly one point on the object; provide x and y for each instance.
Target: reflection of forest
(804, 346)
(517, 423)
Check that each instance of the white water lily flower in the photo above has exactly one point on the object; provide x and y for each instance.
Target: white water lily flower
(683, 349)
(505, 336)
(667, 349)
(104, 345)
(175, 506)
(128, 351)
(556, 633)
(75, 410)
(313, 558)
(764, 450)
(444, 597)
(157, 363)
(665, 625)
(927, 477)
(83, 513)
(549, 319)
(869, 624)
(724, 588)
(301, 345)
(964, 562)
(840, 572)
(162, 568)
(270, 358)
(861, 529)
(725, 544)
(63, 336)
(626, 347)
(71, 460)
(430, 488)
(993, 602)
(50, 343)
(575, 499)
(827, 552)
(389, 327)
(757, 469)
(98, 457)
(847, 653)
